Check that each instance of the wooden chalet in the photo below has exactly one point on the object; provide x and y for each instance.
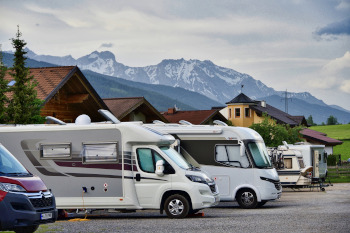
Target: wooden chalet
(66, 93)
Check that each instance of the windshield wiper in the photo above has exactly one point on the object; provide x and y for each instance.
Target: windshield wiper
(18, 174)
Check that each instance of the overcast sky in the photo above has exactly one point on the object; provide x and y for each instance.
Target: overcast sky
(287, 44)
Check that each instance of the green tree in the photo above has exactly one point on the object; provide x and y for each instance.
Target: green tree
(332, 120)
(24, 106)
(273, 133)
(3, 91)
(310, 121)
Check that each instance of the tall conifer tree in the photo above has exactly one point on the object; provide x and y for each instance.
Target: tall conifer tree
(3, 91)
(24, 107)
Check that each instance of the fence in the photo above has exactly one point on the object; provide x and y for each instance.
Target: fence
(336, 171)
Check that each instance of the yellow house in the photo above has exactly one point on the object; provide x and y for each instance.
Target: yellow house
(243, 111)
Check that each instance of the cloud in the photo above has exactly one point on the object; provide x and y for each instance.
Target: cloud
(343, 5)
(345, 87)
(106, 45)
(335, 74)
(335, 29)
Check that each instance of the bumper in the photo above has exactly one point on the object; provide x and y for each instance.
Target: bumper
(269, 194)
(20, 212)
(202, 197)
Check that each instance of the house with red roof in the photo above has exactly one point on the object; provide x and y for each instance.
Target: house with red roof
(134, 109)
(197, 117)
(318, 138)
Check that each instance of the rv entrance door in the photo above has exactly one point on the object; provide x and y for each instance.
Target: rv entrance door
(149, 185)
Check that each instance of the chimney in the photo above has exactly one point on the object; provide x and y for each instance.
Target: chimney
(171, 110)
(263, 103)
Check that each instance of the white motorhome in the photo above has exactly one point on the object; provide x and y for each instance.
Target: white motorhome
(120, 166)
(236, 158)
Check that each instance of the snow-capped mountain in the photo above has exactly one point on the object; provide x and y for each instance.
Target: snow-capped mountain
(204, 77)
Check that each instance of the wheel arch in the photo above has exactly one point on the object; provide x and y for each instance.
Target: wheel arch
(172, 192)
(246, 186)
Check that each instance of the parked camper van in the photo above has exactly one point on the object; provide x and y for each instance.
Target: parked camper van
(25, 202)
(121, 166)
(236, 158)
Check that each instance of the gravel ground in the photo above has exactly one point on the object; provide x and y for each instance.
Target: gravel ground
(296, 211)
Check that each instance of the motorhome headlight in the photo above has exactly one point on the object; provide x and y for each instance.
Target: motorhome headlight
(7, 187)
(197, 179)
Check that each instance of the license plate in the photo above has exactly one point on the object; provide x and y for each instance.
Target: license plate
(45, 216)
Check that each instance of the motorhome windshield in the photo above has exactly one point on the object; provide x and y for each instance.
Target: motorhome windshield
(259, 153)
(176, 157)
(9, 165)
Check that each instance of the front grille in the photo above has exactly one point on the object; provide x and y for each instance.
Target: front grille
(277, 183)
(212, 188)
(41, 202)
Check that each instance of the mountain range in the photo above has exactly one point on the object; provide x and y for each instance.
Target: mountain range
(207, 84)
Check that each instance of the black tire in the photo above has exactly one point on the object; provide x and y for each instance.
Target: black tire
(28, 229)
(261, 203)
(246, 199)
(176, 206)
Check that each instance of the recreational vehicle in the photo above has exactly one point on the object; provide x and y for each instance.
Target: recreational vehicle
(315, 156)
(25, 201)
(236, 158)
(291, 167)
(121, 166)
(300, 165)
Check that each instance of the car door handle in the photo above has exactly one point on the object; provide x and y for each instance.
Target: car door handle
(138, 177)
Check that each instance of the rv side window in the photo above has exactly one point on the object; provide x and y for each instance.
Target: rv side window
(100, 153)
(230, 155)
(288, 163)
(56, 151)
(301, 162)
(147, 159)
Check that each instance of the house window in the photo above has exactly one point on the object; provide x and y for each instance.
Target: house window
(237, 112)
(229, 113)
(56, 151)
(100, 152)
(247, 112)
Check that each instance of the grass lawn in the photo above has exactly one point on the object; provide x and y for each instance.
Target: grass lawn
(339, 132)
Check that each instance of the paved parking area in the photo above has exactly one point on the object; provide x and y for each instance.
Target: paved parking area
(296, 211)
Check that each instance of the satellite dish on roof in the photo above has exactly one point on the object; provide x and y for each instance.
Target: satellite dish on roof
(83, 120)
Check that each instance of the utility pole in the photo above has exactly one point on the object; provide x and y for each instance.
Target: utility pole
(286, 98)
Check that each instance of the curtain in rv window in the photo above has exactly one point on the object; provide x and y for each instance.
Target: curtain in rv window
(231, 155)
(100, 152)
(57, 151)
(147, 159)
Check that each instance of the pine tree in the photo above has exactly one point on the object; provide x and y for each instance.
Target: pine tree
(24, 107)
(310, 121)
(3, 91)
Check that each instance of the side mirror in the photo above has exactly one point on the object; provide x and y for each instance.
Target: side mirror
(242, 149)
(160, 168)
